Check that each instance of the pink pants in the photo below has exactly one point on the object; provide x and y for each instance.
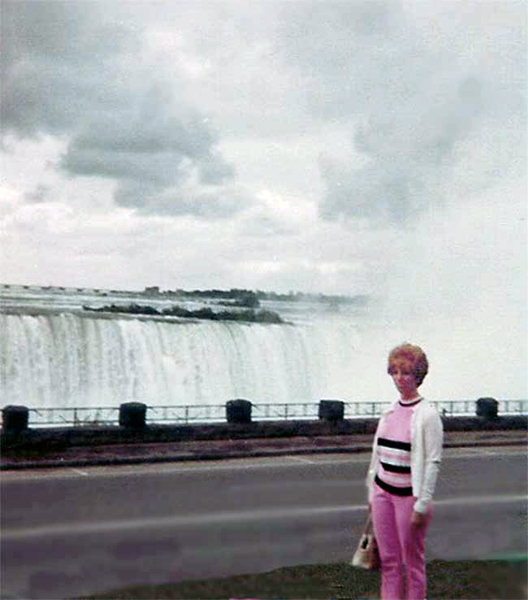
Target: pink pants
(399, 544)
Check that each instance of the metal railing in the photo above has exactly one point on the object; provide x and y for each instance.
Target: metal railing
(216, 413)
(200, 413)
(459, 408)
(284, 411)
(76, 417)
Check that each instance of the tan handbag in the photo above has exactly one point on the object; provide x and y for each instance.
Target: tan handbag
(366, 555)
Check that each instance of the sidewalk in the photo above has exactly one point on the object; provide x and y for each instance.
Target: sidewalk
(121, 454)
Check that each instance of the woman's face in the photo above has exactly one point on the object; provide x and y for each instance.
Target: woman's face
(402, 374)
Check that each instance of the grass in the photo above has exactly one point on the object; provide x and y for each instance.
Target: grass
(464, 580)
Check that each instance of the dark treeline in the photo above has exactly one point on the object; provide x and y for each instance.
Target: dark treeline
(236, 297)
(245, 297)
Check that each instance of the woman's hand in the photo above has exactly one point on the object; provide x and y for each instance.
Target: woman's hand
(417, 519)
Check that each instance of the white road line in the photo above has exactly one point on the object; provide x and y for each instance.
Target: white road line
(80, 472)
(483, 453)
(303, 460)
(206, 520)
(473, 500)
(162, 522)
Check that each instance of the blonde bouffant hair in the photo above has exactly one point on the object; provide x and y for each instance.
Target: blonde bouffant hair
(412, 354)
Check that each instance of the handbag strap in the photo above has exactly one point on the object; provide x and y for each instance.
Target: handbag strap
(368, 525)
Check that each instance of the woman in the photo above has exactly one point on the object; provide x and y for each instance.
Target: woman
(402, 475)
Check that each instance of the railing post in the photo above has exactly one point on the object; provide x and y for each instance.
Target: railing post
(238, 411)
(487, 408)
(15, 418)
(331, 410)
(132, 415)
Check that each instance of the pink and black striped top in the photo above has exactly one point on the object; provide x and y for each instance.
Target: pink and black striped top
(394, 450)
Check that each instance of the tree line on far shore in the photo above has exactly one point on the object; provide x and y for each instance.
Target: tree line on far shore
(251, 299)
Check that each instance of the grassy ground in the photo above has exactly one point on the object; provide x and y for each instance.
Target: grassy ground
(494, 580)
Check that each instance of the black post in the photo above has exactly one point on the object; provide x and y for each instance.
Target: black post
(487, 408)
(331, 410)
(15, 418)
(132, 415)
(238, 411)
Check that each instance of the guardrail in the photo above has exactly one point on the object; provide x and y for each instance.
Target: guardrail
(76, 417)
(216, 413)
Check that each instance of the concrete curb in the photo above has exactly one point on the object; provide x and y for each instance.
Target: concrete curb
(68, 437)
(223, 455)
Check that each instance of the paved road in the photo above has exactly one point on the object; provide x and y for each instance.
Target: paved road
(77, 531)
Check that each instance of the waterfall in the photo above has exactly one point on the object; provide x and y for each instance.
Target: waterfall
(71, 360)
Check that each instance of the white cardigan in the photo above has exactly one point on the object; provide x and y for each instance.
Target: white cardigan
(427, 435)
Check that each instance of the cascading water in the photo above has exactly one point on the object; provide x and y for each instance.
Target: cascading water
(55, 354)
(74, 360)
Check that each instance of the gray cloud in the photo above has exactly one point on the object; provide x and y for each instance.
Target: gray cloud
(186, 200)
(415, 89)
(151, 153)
(39, 195)
(69, 72)
(422, 90)
(153, 122)
(410, 158)
(54, 55)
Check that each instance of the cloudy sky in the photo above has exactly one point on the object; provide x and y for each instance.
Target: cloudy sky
(372, 147)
